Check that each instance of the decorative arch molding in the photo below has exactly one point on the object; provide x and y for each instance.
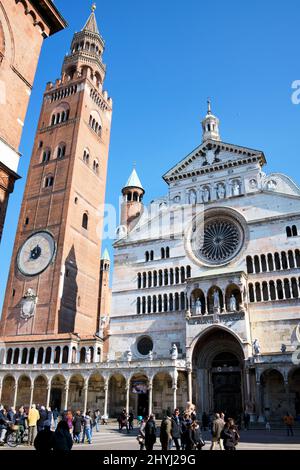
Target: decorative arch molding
(216, 346)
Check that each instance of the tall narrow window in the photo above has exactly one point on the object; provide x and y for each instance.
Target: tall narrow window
(85, 221)
(294, 231)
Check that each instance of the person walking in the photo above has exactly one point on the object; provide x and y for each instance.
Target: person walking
(3, 424)
(20, 420)
(176, 429)
(150, 433)
(130, 420)
(62, 439)
(43, 417)
(55, 417)
(289, 422)
(87, 428)
(230, 435)
(77, 426)
(197, 435)
(44, 440)
(190, 444)
(97, 419)
(33, 418)
(166, 432)
(217, 428)
(141, 435)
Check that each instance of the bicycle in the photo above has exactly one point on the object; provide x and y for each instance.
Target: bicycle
(15, 437)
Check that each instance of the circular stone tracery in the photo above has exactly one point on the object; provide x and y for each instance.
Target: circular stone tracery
(217, 240)
(221, 240)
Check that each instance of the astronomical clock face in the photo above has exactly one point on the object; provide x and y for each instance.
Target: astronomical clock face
(36, 254)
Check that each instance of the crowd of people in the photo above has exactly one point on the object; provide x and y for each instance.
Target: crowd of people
(49, 429)
(184, 431)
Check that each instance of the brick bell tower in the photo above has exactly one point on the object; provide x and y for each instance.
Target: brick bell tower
(55, 269)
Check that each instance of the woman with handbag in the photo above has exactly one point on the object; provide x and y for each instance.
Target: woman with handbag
(230, 435)
(197, 436)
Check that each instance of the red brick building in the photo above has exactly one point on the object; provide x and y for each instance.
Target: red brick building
(22, 24)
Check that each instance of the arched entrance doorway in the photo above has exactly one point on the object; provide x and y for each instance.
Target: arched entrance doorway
(218, 373)
(226, 381)
(139, 394)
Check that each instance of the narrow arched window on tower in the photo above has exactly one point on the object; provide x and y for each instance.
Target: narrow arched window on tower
(85, 221)
(294, 231)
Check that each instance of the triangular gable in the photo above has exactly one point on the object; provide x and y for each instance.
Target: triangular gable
(212, 154)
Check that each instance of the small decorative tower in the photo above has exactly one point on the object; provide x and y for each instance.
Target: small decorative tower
(104, 291)
(210, 125)
(132, 206)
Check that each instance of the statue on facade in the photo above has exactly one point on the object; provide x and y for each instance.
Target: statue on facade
(271, 185)
(28, 304)
(198, 306)
(174, 352)
(150, 355)
(236, 189)
(193, 197)
(88, 356)
(216, 297)
(129, 356)
(205, 195)
(220, 191)
(256, 347)
(232, 304)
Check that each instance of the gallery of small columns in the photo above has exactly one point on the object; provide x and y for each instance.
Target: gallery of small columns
(275, 391)
(110, 392)
(183, 301)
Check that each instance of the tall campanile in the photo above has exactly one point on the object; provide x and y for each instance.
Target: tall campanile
(54, 275)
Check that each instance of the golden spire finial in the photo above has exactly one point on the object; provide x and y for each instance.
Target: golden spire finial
(94, 6)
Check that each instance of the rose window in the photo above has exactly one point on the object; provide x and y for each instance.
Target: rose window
(218, 240)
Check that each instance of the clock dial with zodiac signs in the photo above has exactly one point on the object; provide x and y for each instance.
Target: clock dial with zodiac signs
(36, 253)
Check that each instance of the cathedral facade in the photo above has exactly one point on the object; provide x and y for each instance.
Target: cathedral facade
(207, 284)
(205, 298)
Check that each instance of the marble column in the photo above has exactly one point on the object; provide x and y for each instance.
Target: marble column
(150, 388)
(85, 389)
(31, 396)
(105, 399)
(174, 396)
(190, 390)
(66, 397)
(48, 395)
(15, 394)
(127, 388)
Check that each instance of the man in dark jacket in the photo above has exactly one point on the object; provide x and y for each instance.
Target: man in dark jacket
(43, 418)
(176, 429)
(62, 439)
(150, 433)
(77, 426)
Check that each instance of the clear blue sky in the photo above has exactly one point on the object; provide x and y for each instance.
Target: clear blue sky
(164, 58)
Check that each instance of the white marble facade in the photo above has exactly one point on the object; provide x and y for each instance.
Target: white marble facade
(247, 252)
